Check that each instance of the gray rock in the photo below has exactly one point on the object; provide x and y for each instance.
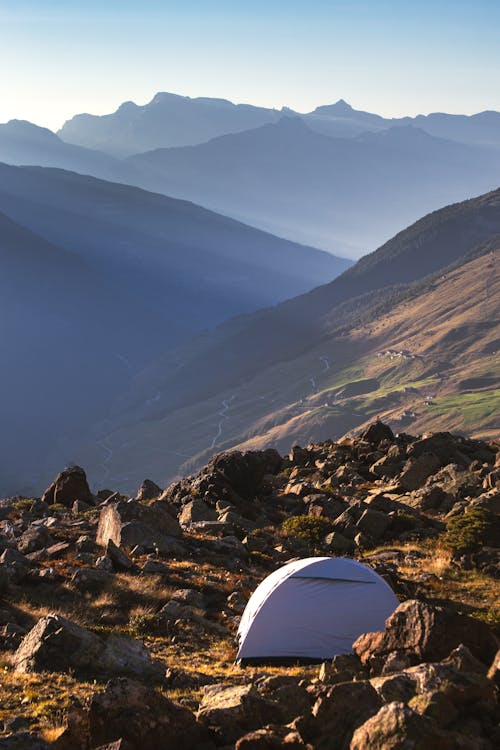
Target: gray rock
(33, 539)
(196, 510)
(118, 558)
(56, 644)
(132, 523)
(399, 727)
(91, 579)
(154, 567)
(339, 544)
(373, 523)
(148, 491)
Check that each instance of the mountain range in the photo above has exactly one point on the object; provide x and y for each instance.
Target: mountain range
(307, 177)
(173, 120)
(97, 280)
(409, 333)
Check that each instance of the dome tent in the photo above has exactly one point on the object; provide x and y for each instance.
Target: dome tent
(312, 610)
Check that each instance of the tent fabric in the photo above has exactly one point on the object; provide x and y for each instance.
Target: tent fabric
(313, 609)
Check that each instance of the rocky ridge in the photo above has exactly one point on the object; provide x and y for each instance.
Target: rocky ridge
(118, 615)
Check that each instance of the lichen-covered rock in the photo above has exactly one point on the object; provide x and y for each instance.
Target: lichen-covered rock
(425, 632)
(397, 727)
(340, 711)
(233, 710)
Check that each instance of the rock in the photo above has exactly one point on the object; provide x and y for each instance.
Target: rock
(155, 568)
(56, 644)
(494, 670)
(173, 610)
(33, 539)
(118, 557)
(58, 550)
(397, 727)
(85, 544)
(343, 668)
(91, 579)
(340, 711)
(196, 510)
(417, 470)
(130, 523)
(425, 632)
(288, 698)
(271, 738)
(148, 491)
(373, 523)
(68, 486)
(233, 710)
(23, 741)
(376, 432)
(103, 563)
(138, 716)
(191, 597)
(339, 544)
(4, 580)
(236, 477)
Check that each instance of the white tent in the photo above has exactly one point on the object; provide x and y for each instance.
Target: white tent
(313, 609)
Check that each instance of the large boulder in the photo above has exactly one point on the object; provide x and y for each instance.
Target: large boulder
(70, 485)
(56, 644)
(233, 710)
(130, 523)
(148, 491)
(196, 510)
(417, 470)
(397, 727)
(423, 632)
(141, 717)
(34, 539)
(339, 712)
(376, 432)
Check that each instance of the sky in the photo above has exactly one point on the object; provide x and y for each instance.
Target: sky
(394, 57)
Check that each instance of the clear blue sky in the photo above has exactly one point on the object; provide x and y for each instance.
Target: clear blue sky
(394, 57)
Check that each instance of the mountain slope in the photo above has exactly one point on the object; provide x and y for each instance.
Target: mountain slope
(294, 182)
(275, 376)
(98, 279)
(22, 143)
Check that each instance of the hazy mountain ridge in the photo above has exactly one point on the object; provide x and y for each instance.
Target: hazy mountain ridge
(97, 280)
(304, 177)
(173, 120)
(262, 372)
(294, 182)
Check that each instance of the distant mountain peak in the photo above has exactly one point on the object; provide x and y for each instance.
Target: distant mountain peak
(29, 130)
(342, 106)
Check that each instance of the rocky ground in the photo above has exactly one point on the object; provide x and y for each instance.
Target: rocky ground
(118, 616)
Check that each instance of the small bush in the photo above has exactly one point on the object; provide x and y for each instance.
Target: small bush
(143, 623)
(312, 529)
(477, 528)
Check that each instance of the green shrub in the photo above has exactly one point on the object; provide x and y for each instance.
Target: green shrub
(477, 528)
(143, 623)
(312, 529)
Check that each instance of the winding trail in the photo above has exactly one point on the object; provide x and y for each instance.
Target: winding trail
(223, 413)
(326, 363)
